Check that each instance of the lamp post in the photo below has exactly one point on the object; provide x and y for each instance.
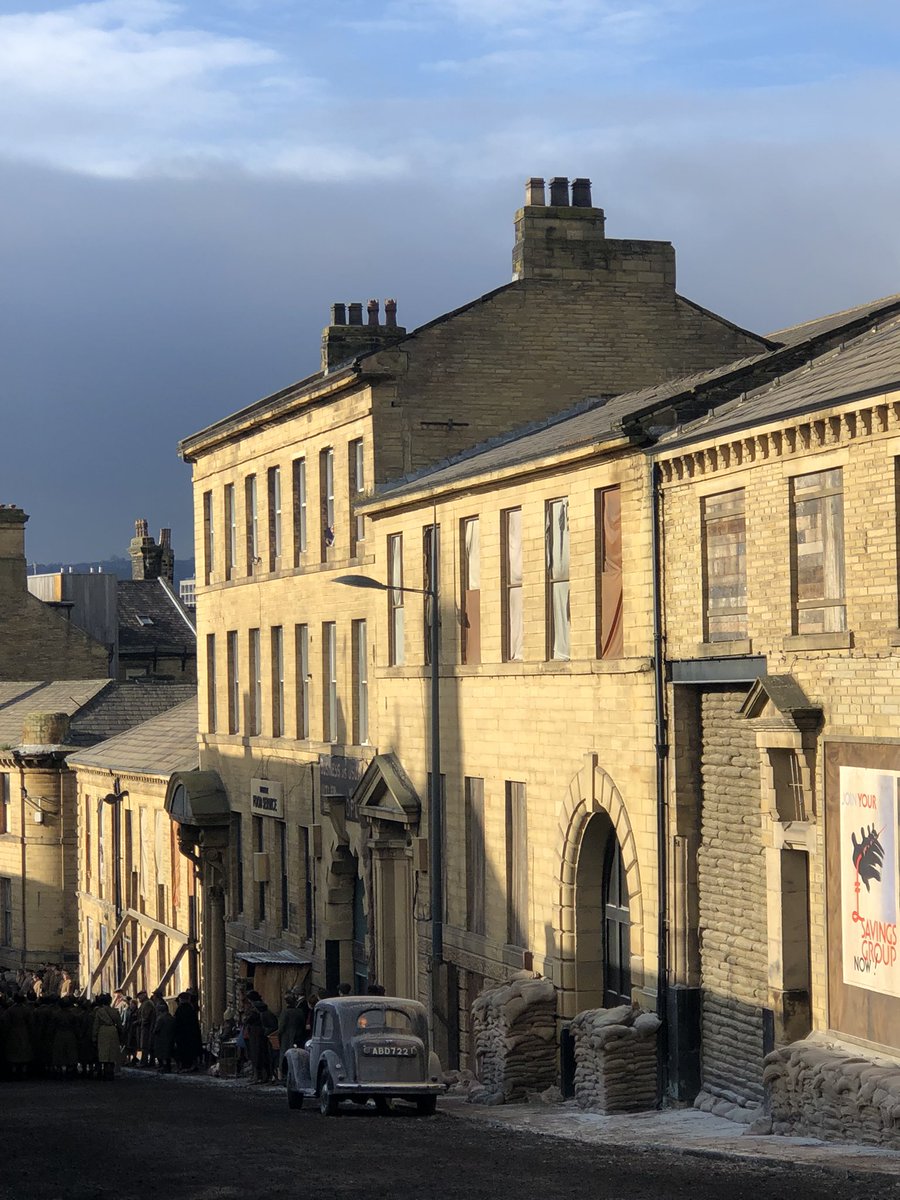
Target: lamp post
(435, 815)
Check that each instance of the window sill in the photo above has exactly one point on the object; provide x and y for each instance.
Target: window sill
(819, 641)
(740, 648)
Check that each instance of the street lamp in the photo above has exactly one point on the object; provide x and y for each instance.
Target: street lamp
(435, 816)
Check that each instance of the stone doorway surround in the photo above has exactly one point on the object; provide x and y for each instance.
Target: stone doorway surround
(592, 791)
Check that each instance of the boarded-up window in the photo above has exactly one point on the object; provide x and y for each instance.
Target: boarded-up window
(608, 521)
(513, 614)
(395, 599)
(299, 481)
(725, 566)
(360, 683)
(230, 531)
(431, 574)
(301, 657)
(255, 683)
(357, 493)
(475, 856)
(329, 682)
(208, 536)
(326, 500)
(277, 681)
(817, 519)
(556, 540)
(211, 683)
(470, 546)
(274, 481)
(516, 865)
(251, 524)
(234, 683)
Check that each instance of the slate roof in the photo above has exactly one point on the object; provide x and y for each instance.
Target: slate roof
(813, 347)
(99, 708)
(171, 631)
(160, 746)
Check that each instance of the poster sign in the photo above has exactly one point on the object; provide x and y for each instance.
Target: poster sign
(870, 888)
(266, 798)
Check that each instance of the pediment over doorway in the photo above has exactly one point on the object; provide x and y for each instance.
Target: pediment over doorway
(780, 699)
(385, 793)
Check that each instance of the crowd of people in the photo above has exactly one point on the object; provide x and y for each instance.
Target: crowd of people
(50, 1030)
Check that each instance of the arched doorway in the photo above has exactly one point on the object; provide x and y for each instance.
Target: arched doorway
(602, 919)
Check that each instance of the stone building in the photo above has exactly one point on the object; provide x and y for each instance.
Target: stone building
(291, 713)
(38, 642)
(779, 525)
(41, 724)
(139, 903)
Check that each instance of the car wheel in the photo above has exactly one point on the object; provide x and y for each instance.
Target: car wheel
(426, 1106)
(382, 1105)
(328, 1101)
(295, 1099)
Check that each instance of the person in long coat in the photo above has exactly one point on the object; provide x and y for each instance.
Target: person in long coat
(163, 1037)
(188, 1039)
(18, 1039)
(146, 1018)
(107, 1032)
(64, 1058)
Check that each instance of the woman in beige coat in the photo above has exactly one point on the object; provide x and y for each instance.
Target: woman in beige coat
(107, 1029)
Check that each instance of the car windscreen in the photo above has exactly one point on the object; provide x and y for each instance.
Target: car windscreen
(384, 1020)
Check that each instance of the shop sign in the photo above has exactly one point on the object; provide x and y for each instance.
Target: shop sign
(870, 886)
(338, 777)
(266, 798)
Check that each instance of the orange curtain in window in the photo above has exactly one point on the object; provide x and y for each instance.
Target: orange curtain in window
(610, 640)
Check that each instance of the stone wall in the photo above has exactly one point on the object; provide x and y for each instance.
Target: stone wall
(515, 1039)
(732, 898)
(615, 1059)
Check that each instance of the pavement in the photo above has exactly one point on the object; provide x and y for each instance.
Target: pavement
(683, 1131)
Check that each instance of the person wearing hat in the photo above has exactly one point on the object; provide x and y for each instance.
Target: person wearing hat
(146, 1020)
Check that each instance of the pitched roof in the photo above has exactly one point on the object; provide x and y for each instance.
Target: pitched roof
(124, 706)
(152, 619)
(18, 699)
(160, 746)
(716, 391)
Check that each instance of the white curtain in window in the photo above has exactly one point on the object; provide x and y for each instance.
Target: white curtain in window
(473, 555)
(516, 624)
(557, 541)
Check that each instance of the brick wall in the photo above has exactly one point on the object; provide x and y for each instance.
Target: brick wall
(40, 644)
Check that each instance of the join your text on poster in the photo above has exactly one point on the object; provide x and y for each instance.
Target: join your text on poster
(870, 888)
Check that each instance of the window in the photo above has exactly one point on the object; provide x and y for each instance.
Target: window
(299, 471)
(252, 523)
(724, 566)
(255, 724)
(208, 536)
(556, 538)
(285, 892)
(259, 840)
(326, 490)
(274, 480)
(230, 531)
(608, 529)
(360, 684)
(101, 852)
(5, 807)
(817, 520)
(475, 855)
(357, 491)
(234, 683)
(301, 657)
(237, 841)
(277, 681)
(211, 683)
(470, 589)
(513, 615)
(431, 579)
(516, 866)
(88, 848)
(306, 866)
(395, 600)
(6, 912)
(329, 682)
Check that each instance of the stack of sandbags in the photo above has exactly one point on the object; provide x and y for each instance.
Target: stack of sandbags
(819, 1089)
(514, 1029)
(615, 1059)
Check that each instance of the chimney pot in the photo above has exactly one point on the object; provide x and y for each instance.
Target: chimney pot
(534, 191)
(559, 192)
(140, 528)
(390, 314)
(372, 311)
(339, 314)
(581, 193)
(355, 311)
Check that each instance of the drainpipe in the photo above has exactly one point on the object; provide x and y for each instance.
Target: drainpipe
(662, 802)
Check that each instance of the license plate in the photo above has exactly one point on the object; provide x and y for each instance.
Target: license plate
(389, 1051)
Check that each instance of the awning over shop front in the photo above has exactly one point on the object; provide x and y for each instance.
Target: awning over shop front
(274, 973)
(197, 798)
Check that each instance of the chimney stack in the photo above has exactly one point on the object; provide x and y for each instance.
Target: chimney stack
(13, 568)
(562, 240)
(347, 337)
(149, 560)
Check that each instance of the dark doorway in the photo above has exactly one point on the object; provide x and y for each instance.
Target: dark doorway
(617, 929)
(602, 919)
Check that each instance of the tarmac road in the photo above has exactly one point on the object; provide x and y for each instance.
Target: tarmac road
(145, 1137)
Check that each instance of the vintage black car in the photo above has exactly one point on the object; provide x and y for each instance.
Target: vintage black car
(365, 1048)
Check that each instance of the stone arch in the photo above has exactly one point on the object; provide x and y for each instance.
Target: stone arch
(592, 791)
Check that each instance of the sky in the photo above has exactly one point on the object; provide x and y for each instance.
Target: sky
(185, 188)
